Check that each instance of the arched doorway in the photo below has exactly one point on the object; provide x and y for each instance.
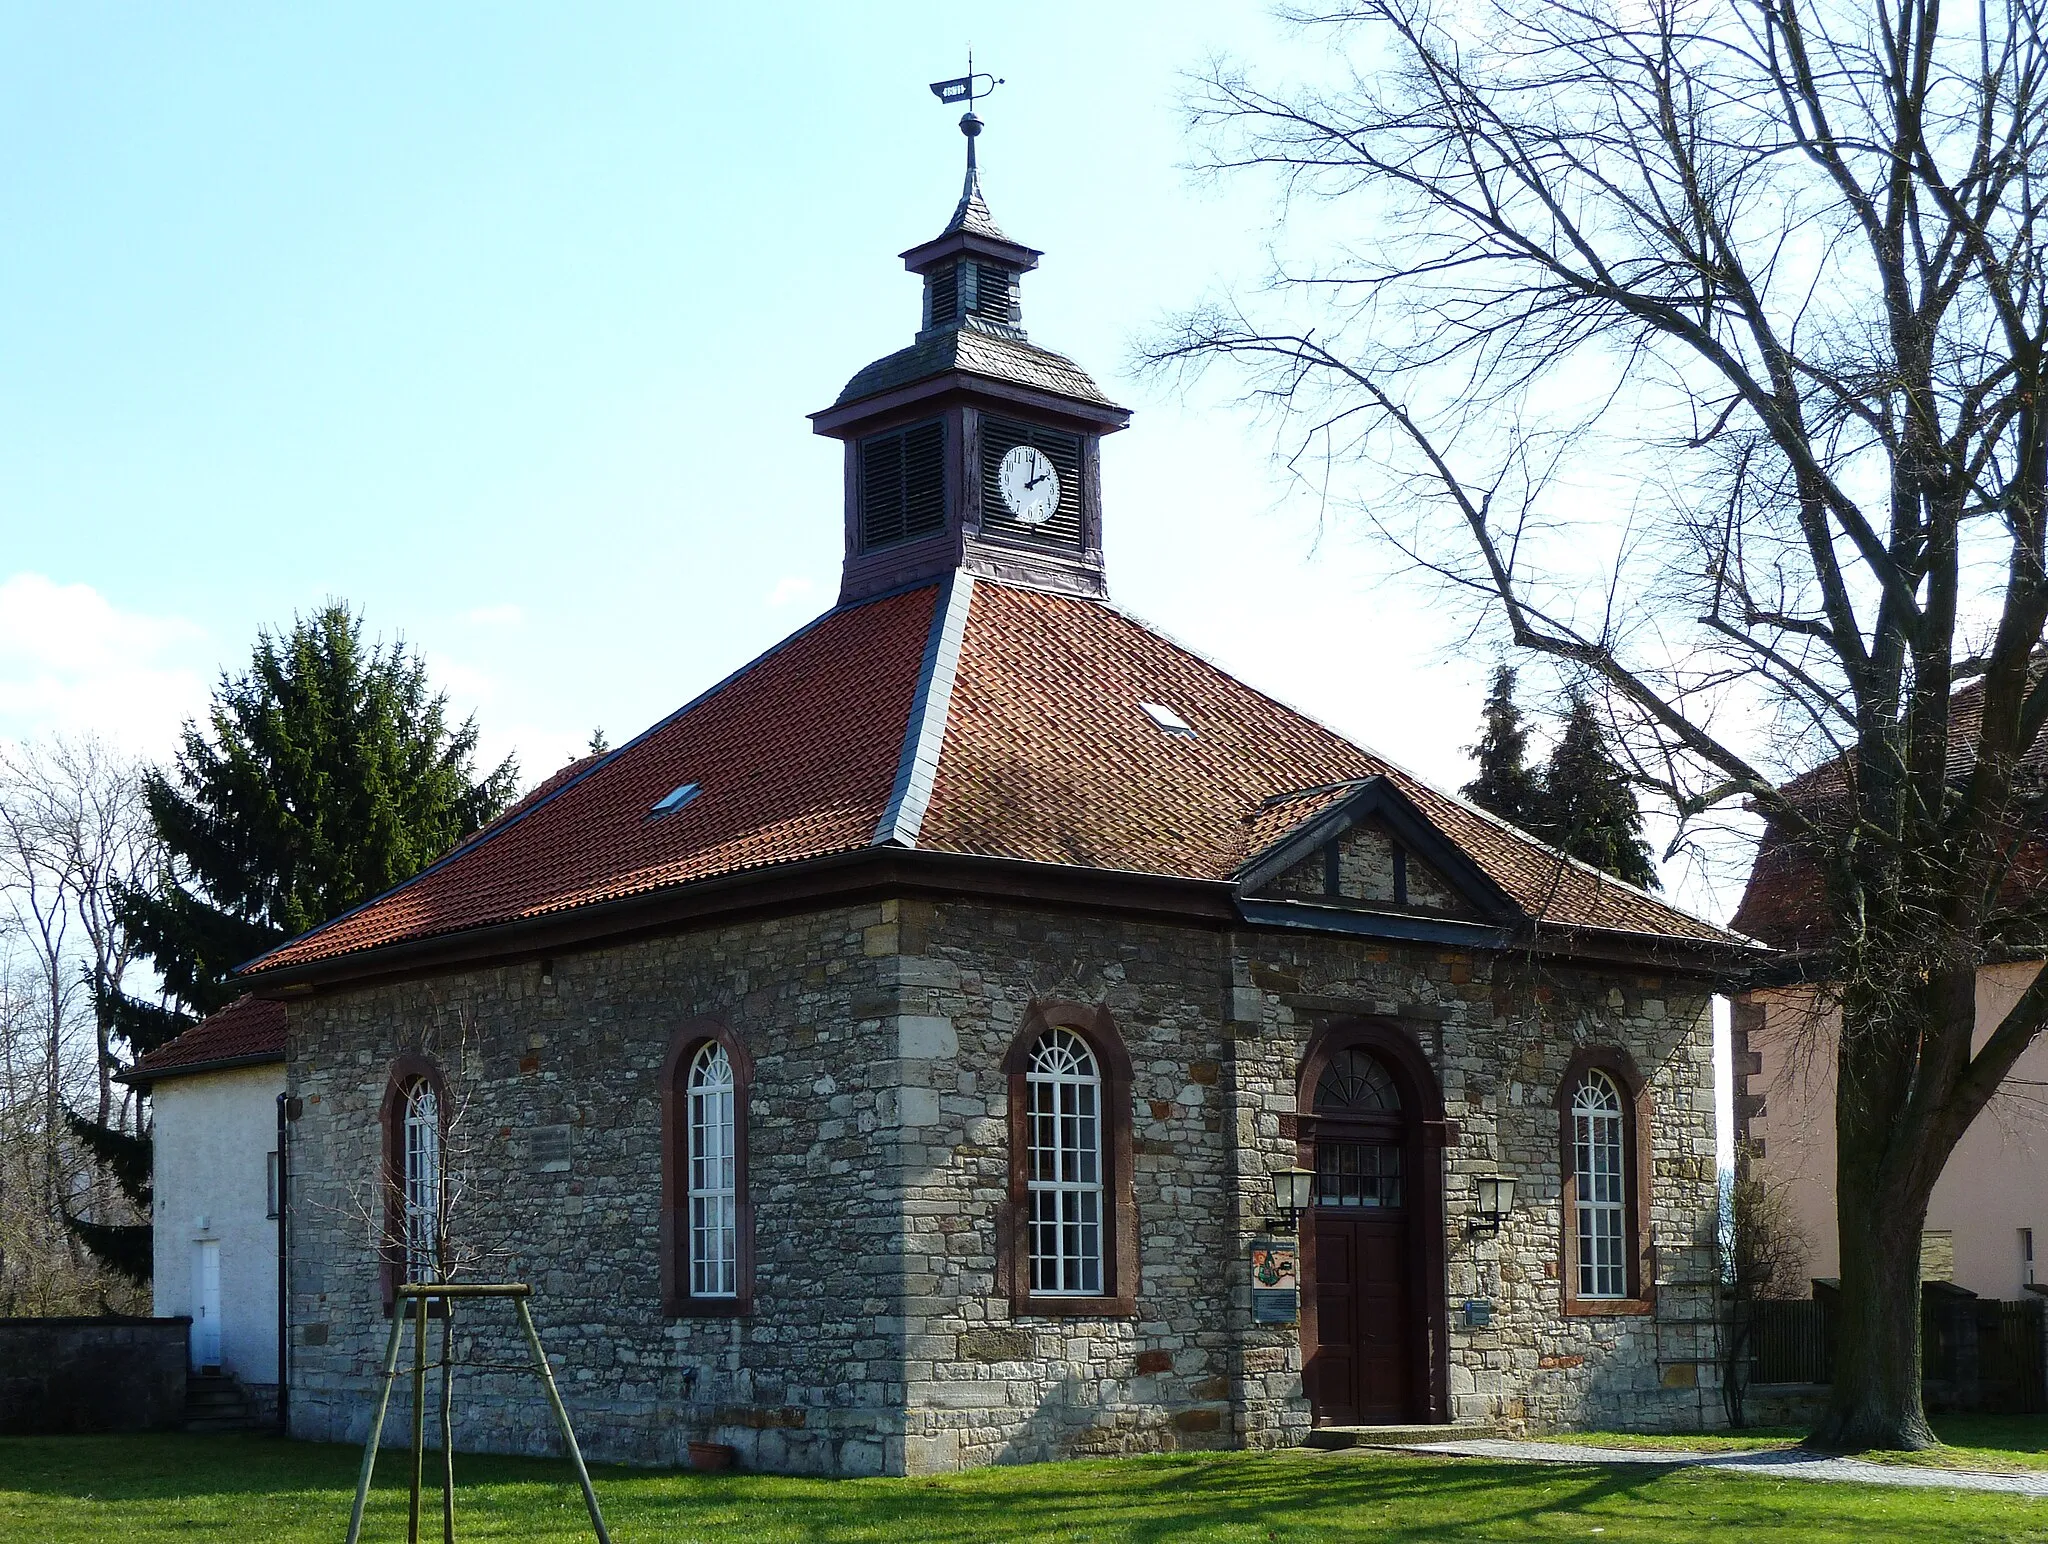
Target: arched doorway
(1372, 1239)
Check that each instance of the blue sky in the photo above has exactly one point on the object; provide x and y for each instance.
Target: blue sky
(502, 323)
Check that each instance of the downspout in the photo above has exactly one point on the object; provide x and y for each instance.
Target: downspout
(284, 1191)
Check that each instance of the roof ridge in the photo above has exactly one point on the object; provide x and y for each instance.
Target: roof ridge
(499, 828)
(924, 735)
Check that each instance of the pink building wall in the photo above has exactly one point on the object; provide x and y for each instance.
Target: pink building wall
(1996, 1182)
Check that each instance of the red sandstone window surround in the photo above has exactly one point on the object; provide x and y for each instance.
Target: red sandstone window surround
(1607, 1261)
(707, 1216)
(414, 1118)
(1068, 1243)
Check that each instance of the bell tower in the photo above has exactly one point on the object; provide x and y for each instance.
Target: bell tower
(973, 448)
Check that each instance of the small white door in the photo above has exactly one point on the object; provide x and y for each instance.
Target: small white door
(206, 1303)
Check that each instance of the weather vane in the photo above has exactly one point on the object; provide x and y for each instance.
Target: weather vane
(965, 88)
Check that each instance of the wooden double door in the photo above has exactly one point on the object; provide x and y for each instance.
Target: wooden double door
(1368, 1331)
(1360, 1370)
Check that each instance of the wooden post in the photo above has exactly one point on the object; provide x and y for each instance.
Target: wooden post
(447, 1421)
(419, 1416)
(355, 1517)
(547, 1379)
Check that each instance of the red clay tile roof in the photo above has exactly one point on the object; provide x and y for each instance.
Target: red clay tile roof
(1049, 757)
(249, 1029)
(1017, 713)
(796, 755)
(1783, 904)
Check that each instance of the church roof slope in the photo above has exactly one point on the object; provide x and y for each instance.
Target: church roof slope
(972, 718)
(248, 1031)
(795, 756)
(970, 351)
(1050, 755)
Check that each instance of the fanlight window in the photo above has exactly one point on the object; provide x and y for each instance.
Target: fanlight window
(422, 1182)
(1356, 1083)
(1063, 1089)
(1597, 1135)
(714, 1177)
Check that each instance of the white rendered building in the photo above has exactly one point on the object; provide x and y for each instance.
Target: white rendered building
(214, 1092)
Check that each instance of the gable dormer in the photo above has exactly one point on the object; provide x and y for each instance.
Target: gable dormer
(1364, 847)
(973, 448)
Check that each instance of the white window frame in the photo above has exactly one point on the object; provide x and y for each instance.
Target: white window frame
(710, 1093)
(423, 1181)
(1068, 1217)
(1600, 1171)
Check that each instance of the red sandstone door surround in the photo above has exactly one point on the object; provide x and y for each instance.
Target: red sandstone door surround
(1373, 1332)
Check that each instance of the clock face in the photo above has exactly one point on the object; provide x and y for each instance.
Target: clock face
(1030, 486)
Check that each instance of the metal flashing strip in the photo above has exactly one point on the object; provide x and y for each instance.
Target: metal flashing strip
(925, 736)
(1373, 924)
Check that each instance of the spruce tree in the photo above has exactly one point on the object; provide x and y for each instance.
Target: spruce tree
(1505, 786)
(1588, 806)
(326, 773)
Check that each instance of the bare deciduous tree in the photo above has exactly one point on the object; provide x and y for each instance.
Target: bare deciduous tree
(73, 830)
(1746, 296)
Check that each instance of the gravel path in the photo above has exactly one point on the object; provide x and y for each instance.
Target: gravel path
(1778, 1463)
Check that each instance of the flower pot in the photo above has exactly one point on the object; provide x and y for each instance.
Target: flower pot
(711, 1455)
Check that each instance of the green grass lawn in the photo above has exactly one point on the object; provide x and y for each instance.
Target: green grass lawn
(1990, 1442)
(152, 1490)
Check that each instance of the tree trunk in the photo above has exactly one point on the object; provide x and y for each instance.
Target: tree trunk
(1875, 1400)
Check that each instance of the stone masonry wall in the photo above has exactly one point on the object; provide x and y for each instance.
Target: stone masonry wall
(880, 1339)
(812, 1380)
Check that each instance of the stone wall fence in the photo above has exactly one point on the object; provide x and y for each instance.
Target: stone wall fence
(92, 1375)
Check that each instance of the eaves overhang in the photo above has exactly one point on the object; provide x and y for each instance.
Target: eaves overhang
(136, 1077)
(844, 878)
(949, 386)
(872, 873)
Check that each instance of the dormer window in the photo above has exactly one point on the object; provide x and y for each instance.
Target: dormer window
(902, 484)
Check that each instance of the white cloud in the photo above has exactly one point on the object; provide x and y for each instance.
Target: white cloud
(71, 662)
(790, 589)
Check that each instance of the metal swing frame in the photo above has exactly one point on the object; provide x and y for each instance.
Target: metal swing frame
(410, 1302)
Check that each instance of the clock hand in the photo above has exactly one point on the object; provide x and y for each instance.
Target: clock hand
(1036, 480)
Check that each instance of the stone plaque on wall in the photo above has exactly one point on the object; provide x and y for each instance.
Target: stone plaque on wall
(547, 1148)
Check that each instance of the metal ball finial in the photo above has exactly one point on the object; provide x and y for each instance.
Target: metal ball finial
(969, 125)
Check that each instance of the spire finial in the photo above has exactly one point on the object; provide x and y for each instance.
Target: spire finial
(966, 88)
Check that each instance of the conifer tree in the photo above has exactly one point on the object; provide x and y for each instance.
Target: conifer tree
(1506, 786)
(326, 773)
(1588, 806)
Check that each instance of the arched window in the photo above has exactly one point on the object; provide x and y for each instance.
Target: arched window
(1064, 1091)
(707, 1221)
(714, 1176)
(422, 1170)
(1358, 1163)
(1604, 1114)
(1599, 1167)
(1069, 1239)
(414, 1117)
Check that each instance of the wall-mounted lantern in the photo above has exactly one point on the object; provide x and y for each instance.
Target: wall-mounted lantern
(1496, 1196)
(1291, 1191)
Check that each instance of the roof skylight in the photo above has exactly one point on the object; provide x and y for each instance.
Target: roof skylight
(1168, 720)
(675, 799)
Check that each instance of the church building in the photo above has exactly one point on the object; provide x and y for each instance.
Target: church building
(982, 1030)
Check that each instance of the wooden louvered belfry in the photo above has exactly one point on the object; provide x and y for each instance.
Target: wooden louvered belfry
(927, 428)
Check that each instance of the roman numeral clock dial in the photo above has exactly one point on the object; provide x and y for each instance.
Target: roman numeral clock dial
(1029, 485)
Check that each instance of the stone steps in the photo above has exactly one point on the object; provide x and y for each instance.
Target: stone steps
(1396, 1436)
(214, 1401)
